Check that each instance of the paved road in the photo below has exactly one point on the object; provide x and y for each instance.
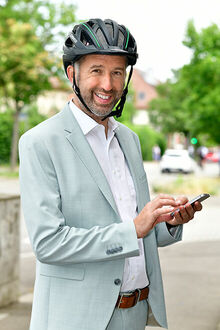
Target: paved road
(191, 269)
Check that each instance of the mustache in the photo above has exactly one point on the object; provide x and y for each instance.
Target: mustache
(110, 92)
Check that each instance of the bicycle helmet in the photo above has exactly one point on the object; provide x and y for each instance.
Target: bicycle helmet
(100, 37)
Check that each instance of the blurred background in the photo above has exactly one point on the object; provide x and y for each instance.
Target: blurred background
(173, 105)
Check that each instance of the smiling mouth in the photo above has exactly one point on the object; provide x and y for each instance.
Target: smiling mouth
(103, 98)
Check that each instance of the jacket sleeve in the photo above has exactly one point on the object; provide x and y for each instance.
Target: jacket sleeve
(164, 236)
(52, 240)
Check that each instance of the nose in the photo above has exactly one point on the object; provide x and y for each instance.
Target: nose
(106, 82)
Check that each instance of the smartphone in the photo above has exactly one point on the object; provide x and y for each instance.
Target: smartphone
(199, 198)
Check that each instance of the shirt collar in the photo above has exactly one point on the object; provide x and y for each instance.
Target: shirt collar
(86, 123)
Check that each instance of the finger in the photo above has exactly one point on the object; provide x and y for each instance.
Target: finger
(190, 210)
(164, 218)
(164, 196)
(181, 200)
(184, 215)
(177, 217)
(161, 211)
(159, 203)
(197, 206)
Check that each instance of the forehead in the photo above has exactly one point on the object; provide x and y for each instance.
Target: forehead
(103, 60)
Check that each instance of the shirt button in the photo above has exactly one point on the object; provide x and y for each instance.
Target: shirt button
(117, 281)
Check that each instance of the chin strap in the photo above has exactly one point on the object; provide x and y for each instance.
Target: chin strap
(118, 110)
(77, 92)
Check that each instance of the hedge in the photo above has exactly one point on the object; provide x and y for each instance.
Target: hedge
(6, 127)
(148, 138)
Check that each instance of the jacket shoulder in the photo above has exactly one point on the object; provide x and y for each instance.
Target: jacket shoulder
(45, 129)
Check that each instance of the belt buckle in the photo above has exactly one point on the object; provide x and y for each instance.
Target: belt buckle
(138, 297)
(126, 294)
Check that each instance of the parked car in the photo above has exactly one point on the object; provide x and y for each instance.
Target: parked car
(175, 160)
(212, 157)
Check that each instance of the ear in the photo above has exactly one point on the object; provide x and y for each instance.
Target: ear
(70, 72)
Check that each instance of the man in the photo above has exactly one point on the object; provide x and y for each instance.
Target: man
(85, 198)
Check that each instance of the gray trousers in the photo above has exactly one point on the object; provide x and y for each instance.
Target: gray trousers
(133, 318)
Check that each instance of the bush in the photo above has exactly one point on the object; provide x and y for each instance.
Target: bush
(6, 127)
(148, 138)
(6, 124)
(33, 118)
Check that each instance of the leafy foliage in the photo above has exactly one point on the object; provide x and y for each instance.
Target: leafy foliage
(29, 29)
(147, 136)
(190, 103)
(6, 123)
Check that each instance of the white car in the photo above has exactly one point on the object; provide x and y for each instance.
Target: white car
(176, 160)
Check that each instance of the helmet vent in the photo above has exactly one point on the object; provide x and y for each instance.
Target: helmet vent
(130, 43)
(110, 30)
(85, 39)
(120, 39)
(101, 37)
(68, 42)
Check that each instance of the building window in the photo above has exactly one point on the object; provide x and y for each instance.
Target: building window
(141, 96)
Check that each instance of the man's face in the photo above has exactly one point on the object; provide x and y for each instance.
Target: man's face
(101, 79)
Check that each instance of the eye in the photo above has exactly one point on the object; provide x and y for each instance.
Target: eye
(96, 71)
(117, 73)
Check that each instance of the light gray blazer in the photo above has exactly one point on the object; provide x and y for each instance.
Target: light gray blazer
(75, 230)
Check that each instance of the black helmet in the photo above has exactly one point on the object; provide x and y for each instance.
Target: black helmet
(99, 37)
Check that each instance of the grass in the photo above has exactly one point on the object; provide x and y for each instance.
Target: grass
(189, 186)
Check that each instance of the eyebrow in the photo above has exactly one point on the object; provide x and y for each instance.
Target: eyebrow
(95, 66)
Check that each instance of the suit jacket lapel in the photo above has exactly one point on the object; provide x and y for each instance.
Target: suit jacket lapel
(131, 153)
(78, 141)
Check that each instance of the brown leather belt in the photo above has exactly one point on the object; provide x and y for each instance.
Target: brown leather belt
(130, 299)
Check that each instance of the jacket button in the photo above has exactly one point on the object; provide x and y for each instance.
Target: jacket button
(117, 281)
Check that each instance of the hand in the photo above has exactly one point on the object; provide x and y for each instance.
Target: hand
(186, 211)
(158, 210)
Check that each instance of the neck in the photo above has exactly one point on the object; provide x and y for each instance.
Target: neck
(91, 115)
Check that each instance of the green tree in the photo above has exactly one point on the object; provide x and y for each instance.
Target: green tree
(28, 31)
(190, 103)
(129, 108)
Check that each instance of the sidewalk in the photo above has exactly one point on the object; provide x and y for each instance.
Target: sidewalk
(191, 273)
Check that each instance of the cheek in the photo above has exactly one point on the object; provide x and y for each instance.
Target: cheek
(88, 84)
(121, 83)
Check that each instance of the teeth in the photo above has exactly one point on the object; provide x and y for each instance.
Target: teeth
(104, 97)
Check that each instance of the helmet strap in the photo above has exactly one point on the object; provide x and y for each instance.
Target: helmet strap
(118, 110)
(78, 94)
